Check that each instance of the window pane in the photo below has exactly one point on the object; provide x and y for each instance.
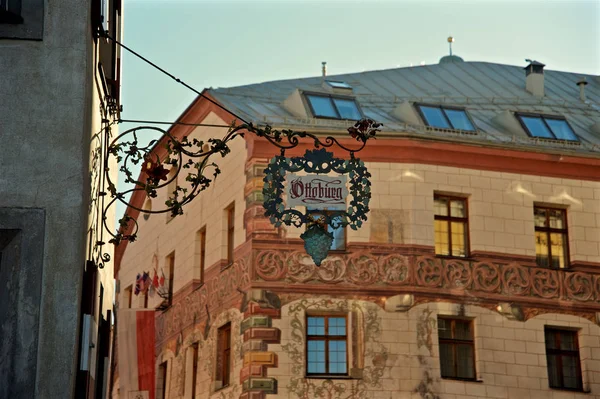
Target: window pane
(558, 250)
(337, 326)
(322, 106)
(539, 217)
(561, 129)
(462, 330)
(459, 239)
(347, 109)
(553, 373)
(444, 328)
(434, 117)
(459, 119)
(440, 206)
(569, 369)
(536, 127)
(457, 208)
(541, 248)
(337, 357)
(316, 356)
(557, 218)
(441, 237)
(567, 340)
(550, 336)
(447, 360)
(339, 238)
(465, 361)
(316, 326)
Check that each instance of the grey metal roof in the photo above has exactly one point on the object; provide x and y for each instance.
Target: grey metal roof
(485, 89)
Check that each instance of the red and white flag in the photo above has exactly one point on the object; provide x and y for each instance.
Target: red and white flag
(135, 332)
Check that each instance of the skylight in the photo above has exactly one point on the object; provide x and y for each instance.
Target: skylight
(325, 106)
(446, 117)
(338, 84)
(547, 127)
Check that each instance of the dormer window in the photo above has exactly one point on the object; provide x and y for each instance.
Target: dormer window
(333, 107)
(445, 117)
(338, 85)
(547, 127)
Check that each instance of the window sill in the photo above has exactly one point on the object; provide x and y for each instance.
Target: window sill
(330, 377)
(221, 388)
(455, 257)
(462, 379)
(226, 265)
(571, 390)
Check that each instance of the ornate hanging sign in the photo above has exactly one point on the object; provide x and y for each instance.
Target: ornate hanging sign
(339, 189)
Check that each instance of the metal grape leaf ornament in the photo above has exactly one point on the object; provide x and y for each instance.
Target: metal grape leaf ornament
(317, 182)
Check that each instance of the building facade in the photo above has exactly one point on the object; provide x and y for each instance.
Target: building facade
(59, 100)
(477, 274)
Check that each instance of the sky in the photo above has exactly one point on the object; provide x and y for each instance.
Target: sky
(229, 43)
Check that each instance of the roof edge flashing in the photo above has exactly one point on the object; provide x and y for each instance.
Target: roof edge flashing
(294, 104)
(407, 113)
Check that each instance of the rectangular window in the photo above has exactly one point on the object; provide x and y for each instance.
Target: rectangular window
(339, 233)
(224, 354)
(200, 254)
(161, 386)
(457, 352)
(547, 127)
(326, 106)
(194, 368)
(127, 297)
(551, 239)
(171, 268)
(326, 345)
(230, 232)
(446, 117)
(451, 226)
(562, 354)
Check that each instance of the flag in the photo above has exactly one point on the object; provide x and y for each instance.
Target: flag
(155, 279)
(146, 282)
(138, 284)
(135, 334)
(162, 279)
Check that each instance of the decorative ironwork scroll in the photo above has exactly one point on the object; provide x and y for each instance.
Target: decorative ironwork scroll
(317, 238)
(196, 157)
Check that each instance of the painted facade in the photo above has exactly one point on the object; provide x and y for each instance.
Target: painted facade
(388, 284)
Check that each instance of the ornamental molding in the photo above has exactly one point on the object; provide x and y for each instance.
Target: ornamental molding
(474, 280)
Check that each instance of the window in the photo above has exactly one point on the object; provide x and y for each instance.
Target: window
(171, 268)
(22, 19)
(230, 232)
(200, 253)
(161, 386)
(224, 354)
(457, 354)
(451, 226)
(562, 354)
(194, 368)
(551, 242)
(547, 127)
(446, 117)
(338, 85)
(325, 106)
(128, 296)
(326, 345)
(339, 233)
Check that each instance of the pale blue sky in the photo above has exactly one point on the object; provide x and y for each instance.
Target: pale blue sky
(228, 43)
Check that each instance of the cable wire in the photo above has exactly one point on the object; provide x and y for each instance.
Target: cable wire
(105, 34)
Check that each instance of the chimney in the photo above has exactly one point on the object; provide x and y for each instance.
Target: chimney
(581, 85)
(534, 78)
(324, 68)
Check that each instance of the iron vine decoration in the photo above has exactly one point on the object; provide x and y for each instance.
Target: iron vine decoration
(196, 157)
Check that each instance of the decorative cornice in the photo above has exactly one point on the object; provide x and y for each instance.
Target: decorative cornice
(478, 280)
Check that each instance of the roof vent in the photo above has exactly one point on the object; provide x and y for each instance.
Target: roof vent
(534, 78)
(581, 85)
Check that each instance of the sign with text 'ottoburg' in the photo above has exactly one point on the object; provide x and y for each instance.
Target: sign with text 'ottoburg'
(316, 191)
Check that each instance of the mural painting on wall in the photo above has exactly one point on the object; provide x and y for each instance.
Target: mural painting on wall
(330, 202)
(176, 351)
(369, 357)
